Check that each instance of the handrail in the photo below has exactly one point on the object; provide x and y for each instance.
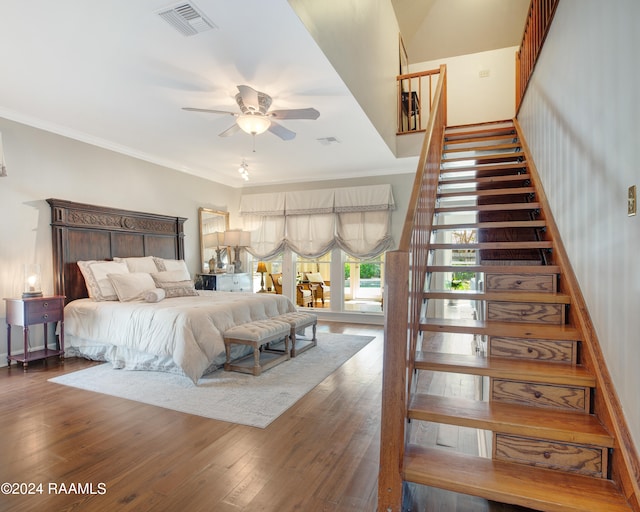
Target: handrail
(535, 31)
(404, 285)
(413, 96)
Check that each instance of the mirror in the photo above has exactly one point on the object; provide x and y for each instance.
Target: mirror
(213, 256)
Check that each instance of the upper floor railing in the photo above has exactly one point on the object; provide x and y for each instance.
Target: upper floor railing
(415, 99)
(535, 31)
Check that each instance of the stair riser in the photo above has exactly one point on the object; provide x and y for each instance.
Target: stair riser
(552, 314)
(542, 350)
(573, 458)
(530, 282)
(557, 396)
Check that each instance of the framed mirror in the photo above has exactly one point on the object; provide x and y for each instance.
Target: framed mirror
(213, 256)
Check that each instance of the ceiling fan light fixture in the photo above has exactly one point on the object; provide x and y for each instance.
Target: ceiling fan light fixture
(253, 124)
(244, 170)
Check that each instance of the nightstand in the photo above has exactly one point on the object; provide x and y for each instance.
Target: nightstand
(35, 311)
(224, 282)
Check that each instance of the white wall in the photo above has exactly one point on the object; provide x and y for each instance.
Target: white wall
(581, 119)
(42, 165)
(472, 99)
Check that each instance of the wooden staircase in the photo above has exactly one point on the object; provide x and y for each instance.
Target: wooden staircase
(549, 447)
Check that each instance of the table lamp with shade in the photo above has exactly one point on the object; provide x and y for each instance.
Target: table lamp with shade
(262, 268)
(237, 239)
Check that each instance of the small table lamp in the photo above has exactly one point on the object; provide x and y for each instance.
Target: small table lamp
(32, 287)
(262, 268)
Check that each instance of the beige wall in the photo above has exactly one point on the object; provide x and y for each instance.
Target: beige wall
(43, 165)
(472, 98)
(580, 117)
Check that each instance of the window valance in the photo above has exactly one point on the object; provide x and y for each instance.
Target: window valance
(310, 222)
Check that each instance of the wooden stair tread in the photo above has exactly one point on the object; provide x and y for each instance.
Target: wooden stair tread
(513, 329)
(520, 165)
(504, 368)
(450, 135)
(512, 155)
(507, 134)
(517, 484)
(497, 269)
(486, 180)
(490, 147)
(521, 420)
(488, 192)
(493, 225)
(525, 244)
(489, 207)
(503, 296)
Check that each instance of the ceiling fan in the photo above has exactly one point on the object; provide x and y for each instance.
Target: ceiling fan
(255, 118)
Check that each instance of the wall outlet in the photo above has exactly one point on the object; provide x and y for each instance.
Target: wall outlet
(632, 203)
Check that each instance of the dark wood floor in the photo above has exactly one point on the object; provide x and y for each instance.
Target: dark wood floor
(320, 455)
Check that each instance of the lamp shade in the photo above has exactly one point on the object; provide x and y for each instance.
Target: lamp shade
(215, 239)
(261, 267)
(235, 238)
(254, 124)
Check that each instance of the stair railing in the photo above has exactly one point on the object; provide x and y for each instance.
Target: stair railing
(535, 31)
(404, 305)
(415, 94)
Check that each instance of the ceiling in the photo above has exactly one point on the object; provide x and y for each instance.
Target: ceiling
(115, 74)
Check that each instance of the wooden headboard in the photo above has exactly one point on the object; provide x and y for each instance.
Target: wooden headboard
(89, 232)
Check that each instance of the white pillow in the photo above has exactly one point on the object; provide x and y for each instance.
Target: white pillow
(174, 284)
(95, 274)
(132, 286)
(164, 265)
(314, 277)
(155, 295)
(139, 264)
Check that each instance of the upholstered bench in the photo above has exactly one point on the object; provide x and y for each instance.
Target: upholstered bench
(299, 320)
(257, 334)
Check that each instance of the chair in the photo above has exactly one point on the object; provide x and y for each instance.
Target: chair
(276, 279)
(322, 288)
(304, 297)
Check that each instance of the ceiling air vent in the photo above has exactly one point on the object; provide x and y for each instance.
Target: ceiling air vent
(186, 18)
(327, 141)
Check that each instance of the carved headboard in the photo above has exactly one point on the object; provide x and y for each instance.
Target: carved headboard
(89, 232)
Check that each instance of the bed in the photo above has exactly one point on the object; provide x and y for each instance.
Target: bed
(161, 329)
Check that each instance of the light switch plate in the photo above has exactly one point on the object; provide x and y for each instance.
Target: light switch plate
(632, 203)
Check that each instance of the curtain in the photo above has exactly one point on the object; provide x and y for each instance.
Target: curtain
(363, 224)
(263, 216)
(310, 222)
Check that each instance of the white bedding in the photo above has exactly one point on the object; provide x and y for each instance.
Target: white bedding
(181, 335)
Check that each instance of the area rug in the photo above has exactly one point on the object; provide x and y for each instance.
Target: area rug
(226, 396)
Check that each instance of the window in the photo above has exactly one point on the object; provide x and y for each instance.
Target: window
(363, 284)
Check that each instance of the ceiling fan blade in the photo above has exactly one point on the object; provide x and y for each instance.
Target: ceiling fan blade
(209, 111)
(295, 113)
(281, 131)
(249, 97)
(233, 129)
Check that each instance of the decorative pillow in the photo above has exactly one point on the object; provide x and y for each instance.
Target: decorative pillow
(164, 265)
(139, 264)
(155, 295)
(132, 286)
(314, 277)
(95, 277)
(174, 284)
